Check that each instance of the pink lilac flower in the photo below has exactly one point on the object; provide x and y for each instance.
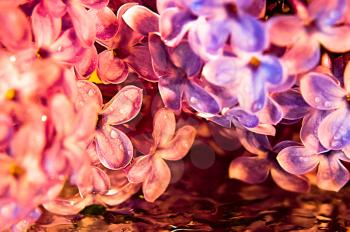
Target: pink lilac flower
(124, 51)
(113, 146)
(260, 160)
(317, 24)
(333, 131)
(168, 144)
(177, 69)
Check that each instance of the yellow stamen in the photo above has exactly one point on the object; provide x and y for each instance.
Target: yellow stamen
(255, 62)
(10, 94)
(348, 98)
(16, 170)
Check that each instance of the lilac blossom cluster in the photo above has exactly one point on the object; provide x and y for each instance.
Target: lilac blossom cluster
(220, 61)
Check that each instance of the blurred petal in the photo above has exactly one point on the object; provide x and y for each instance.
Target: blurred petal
(88, 92)
(309, 129)
(312, 87)
(334, 130)
(248, 34)
(284, 30)
(303, 55)
(284, 144)
(252, 170)
(124, 106)
(173, 25)
(179, 146)
(326, 13)
(85, 122)
(87, 66)
(200, 100)
(298, 160)
(110, 68)
(141, 19)
(56, 7)
(346, 76)
(119, 194)
(164, 125)
(68, 206)
(252, 142)
(290, 182)
(84, 25)
(140, 61)
(331, 175)
(62, 114)
(162, 64)
(335, 39)
(263, 129)
(15, 30)
(113, 147)
(106, 23)
(243, 117)
(157, 181)
(171, 90)
(255, 8)
(140, 169)
(224, 71)
(100, 181)
(184, 58)
(292, 104)
(46, 28)
(270, 69)
(95, 4)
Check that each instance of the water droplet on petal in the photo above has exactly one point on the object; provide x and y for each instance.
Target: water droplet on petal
(336, 143)
(257, 106)
(114, 134)
(91, 92)
(327, 104)
(59, 49)
(317, 99)
(193, 100)
(13, 58)
(43, 118)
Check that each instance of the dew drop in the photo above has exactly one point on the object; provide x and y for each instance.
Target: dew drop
(91, 92)
(59, 49)
(327, 104)
(13, 58)
(317, 99)
(114, 134)
(193, 100)
(44, 118)
(336, 143)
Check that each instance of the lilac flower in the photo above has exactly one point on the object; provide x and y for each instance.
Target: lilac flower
(323, 92)
(318, 24)
(249, 78)
(260, 160)
(177, 69)
(124, 49)
(113, 146)
(151, 168)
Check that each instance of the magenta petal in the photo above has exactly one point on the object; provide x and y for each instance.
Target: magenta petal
(298, 160)
(87, 66)
(332, 175)
(140, 169)
(157, 181)
(62, 113)
(309, 129)
(285, 30)
(88, 92)
(179, 146)
(334, 130)
(101, 183)
(164, 126)
(252, 170)
(46, 28)
(336, 39)
(141, 19)
(56, 7)
(347, 77)
(106, 23)
(312, 87)
(303, 55)
(95, 4)
(113, 147)
(84, 25)
(124, 106)
(290, 182)
(140, 61)
(173, 25)
(85, 122)
(171, 90)
(15, 31)
(111, 69)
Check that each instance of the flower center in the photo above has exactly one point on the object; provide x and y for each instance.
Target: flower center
(254, 63)
(10, 94)
(348, 98)
(231, 10)
(42, 53)
(16, 170)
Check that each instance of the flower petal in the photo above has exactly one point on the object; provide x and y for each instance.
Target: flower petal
(284, 30)
(111, 69)
(179, 146)
(140, 169)
(292, 104)
(113, 147)
(252, 142)
(124, 106)
(326, 13)
(106, 23)
(157, 181)
(347, 77)
(270, 69)
(171, 89)
(141, 19)
(57, 8)
(68, 206)
(312, 87)
(334, 130)
(290, 182)
(95, 4)
(309, 129)
(331, 175)
(200, 100)
(335, 39)
(87, 66)
(242, 117)
(173, 25)
(88, 92)
(255, 8)
(298, 160)
(62, 114)
(252, 170)
(303, 55)
(271, 113)
(164, 126)
(46, 28)
(84, 25)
